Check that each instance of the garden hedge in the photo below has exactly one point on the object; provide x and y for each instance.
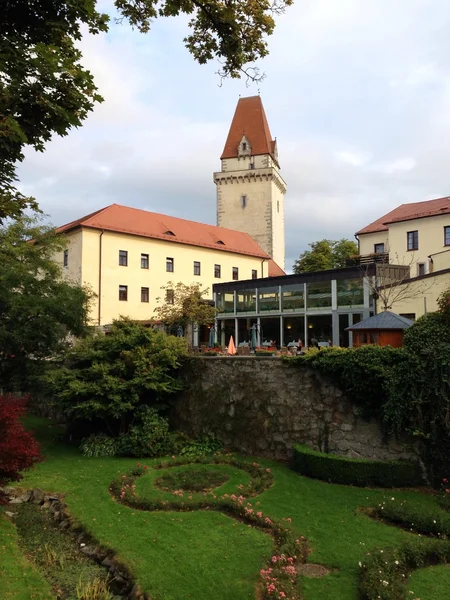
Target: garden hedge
(355, 471)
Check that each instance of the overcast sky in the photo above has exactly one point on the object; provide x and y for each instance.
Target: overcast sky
(357, 94)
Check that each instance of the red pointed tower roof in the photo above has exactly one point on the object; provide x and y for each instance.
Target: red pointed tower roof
(249, 120)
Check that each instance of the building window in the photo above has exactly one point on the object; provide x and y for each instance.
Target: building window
(243, 201)
(66, 258)
(254, 274)
(196, 267)
(170, 296)
(169, 265)
(123, 293)
(252, 165)
(378, 248)
(144, 261)
(123, 258)
(412, 240)
(447, 235)
(420, 269)
(145, 295)
(244, 146)
(235, 273)
(217, 271)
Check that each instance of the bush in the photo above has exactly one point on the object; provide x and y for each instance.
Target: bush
(418, 518)
(202, 446)
(385, 572)
(18, 448)
(355, 471)
(97, 445)
(362, 373)
(106, 377)
(148, 437)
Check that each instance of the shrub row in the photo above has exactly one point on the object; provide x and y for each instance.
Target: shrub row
(385, 572)
(355, 471)
(413, 517)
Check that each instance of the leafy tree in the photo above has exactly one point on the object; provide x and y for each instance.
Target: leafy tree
(325, 254)
(44, 89)
(105, 378)
(184, 304)
(38, 310)
(18, 448)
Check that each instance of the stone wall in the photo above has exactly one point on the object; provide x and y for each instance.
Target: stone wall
(263, 406)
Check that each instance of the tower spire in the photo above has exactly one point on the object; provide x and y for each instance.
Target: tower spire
(250, 189)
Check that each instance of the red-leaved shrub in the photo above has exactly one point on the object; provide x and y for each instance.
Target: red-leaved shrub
(18, 448)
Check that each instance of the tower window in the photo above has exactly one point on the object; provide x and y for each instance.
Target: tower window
(243, 201)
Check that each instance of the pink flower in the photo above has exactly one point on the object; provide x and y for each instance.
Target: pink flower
(444, 480)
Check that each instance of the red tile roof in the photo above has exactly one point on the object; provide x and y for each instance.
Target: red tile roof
(407, 212)
(249, 120)
(274, 269)
(134, 221)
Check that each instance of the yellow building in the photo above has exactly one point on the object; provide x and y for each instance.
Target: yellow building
(125, 255)
(415, 235)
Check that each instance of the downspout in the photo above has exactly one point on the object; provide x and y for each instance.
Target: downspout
(100, 278)
(262, 267)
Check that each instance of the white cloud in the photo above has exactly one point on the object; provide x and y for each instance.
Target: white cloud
(357, 95)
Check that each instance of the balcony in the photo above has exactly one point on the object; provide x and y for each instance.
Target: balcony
(361, 260)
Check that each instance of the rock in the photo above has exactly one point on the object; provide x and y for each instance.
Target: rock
(10, 514)
(64, 524)
(108, 562)
(88, 550)
(37, 496)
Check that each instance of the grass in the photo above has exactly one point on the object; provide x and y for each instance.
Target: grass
(204, 555)
(190, 479)
(19, 580)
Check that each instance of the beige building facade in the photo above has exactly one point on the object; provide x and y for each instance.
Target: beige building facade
(415, 235)
(125, 255)
(250, 189)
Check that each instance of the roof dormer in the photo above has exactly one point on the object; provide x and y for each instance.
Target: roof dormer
(244, 148)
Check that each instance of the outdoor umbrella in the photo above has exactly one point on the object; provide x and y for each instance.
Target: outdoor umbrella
(253, 336)
(231, 346)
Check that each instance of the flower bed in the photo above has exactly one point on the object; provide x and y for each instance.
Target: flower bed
(278, 579)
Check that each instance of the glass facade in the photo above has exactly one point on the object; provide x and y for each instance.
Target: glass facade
(318, 295)
(225, 302)
(350, 292)
(269, 299)
(314, 308)
(246, 301)
(293, 297)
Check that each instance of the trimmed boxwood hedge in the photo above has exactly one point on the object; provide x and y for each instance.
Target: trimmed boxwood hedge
(355, 471)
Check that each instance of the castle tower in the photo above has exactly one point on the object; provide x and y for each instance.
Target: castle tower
(250, 190)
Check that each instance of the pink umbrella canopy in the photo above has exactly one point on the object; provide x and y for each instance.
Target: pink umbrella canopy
(231, 346)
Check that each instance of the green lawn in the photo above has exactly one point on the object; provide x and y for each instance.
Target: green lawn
(205, 555)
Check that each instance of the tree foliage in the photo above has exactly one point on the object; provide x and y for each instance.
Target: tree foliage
(325, 254)
(184, 304)
(18, 448)
(38, 309)
(45, 90)
(106, 377)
